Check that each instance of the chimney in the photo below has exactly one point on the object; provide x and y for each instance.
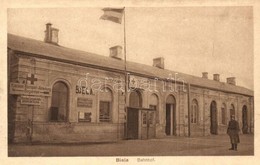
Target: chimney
(231, 80)
(116, 52)
(51, 34)
(205, 75)
(48, 32)
(158, 62)
(216, 77)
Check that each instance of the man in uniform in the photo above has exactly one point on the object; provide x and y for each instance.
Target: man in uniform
(232, 131)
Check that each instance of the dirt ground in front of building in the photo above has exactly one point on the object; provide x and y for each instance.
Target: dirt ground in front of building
(171, 146)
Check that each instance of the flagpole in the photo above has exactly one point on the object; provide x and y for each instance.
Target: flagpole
(125, 73)
(114, 15)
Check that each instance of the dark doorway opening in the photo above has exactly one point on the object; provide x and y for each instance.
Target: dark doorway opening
(213, 118)
(168, 119)
(170, 128)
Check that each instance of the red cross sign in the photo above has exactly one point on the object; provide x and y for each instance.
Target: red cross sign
(31, 78)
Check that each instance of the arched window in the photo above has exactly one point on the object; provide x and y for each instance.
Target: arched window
(194, 111)
(59, 102)
(105, 105)
(154, 103)
(232, 110)
(223, 114)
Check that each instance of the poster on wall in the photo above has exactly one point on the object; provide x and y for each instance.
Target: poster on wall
(84, 116)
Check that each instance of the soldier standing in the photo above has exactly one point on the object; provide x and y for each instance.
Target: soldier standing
(232, 131)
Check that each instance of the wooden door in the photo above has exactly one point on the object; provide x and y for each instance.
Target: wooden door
(132, 123)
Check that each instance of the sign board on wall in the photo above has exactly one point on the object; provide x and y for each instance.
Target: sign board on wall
(27, 89)
(84, 102)
(31, 100)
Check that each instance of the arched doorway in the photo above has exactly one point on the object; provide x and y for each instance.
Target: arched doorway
(59, 103)
(213, 118)
(244, 120)
(135, 99)
(170, 128)
(135, 103)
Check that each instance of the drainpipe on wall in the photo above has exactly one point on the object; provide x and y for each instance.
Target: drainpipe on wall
(31, 133)
(189, 109)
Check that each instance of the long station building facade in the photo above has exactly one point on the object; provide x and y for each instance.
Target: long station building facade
(58, 94)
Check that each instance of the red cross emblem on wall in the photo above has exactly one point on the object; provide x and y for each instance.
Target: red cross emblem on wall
(31, 78)
(132, 80)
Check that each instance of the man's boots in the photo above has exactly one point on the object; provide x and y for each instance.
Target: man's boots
(232, 148)
(235, 147)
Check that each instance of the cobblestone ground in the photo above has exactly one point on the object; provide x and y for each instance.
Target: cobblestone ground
(170, 146)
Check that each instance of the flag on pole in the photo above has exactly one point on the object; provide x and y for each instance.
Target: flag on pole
(113, 14)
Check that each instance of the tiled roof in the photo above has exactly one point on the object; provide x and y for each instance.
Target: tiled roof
(43, 49)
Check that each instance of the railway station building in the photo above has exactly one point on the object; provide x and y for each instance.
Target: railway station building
(58, 94)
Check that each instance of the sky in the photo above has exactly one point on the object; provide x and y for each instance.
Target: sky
(192, 40)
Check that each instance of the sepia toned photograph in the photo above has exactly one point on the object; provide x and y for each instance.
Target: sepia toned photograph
(130, 81)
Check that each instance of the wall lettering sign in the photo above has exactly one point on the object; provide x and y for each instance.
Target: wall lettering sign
(28, 89)
(31, 100)
(84, 90)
